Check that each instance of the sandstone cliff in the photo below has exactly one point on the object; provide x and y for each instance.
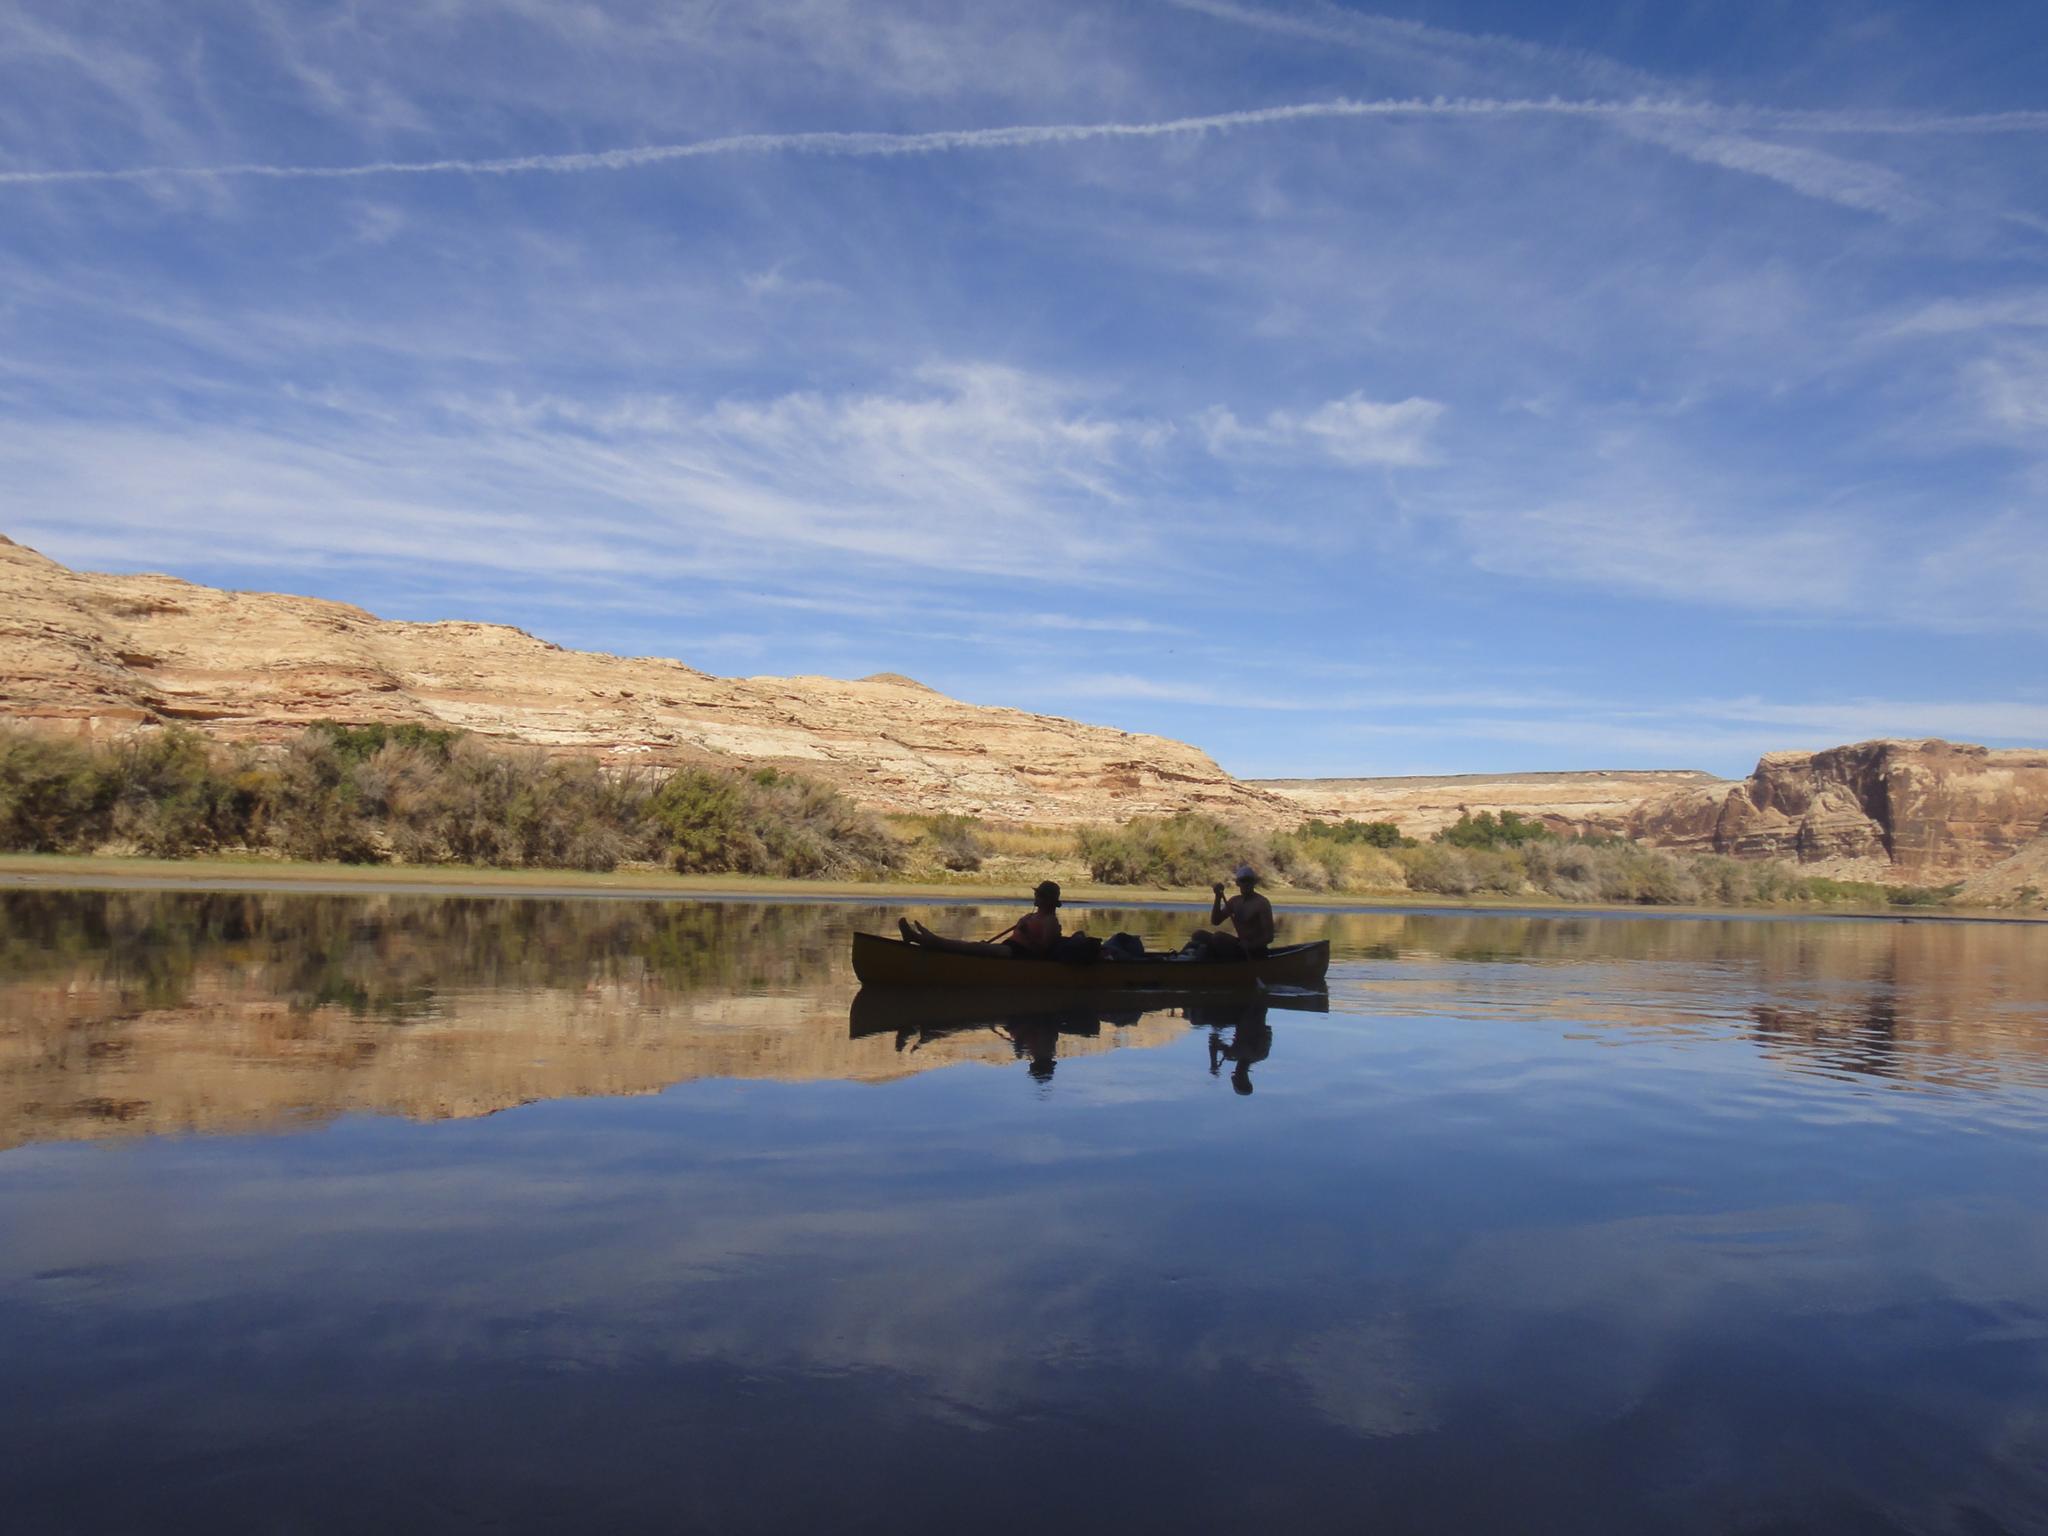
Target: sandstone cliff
(102, 654)
(1921, 810)
(2021, 880)
(1570, 804)
(1912, 811)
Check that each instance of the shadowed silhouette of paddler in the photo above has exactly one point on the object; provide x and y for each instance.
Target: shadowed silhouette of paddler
(1250, 1042)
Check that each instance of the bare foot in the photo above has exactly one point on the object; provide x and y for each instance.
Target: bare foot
(909, 933)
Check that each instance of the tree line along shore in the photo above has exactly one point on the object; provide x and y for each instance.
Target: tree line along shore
(417, 796)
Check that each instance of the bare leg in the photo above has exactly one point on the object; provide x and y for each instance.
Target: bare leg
(917, 933)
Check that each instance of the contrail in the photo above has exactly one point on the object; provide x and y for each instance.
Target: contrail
(947, 141)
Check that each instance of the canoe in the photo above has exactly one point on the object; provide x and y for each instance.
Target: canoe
(880, 962)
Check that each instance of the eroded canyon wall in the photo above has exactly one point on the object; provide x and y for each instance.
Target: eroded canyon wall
(100, 655)
(1929, 810)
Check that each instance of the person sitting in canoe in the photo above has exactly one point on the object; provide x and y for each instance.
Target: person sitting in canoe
(1032, 937)
(1250, 917)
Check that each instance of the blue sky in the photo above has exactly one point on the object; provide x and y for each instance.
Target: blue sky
(1463, 388)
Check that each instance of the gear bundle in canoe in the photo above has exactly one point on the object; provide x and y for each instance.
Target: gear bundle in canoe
(880, 962)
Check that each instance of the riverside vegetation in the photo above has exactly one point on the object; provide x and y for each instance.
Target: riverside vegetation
(414, 795)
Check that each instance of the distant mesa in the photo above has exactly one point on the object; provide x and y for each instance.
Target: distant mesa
(1570, 804)
(104, 655)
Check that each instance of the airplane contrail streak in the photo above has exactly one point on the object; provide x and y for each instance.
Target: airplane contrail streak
(944, 141)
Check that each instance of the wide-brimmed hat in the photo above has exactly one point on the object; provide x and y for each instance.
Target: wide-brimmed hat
(1047, 891)
(1245, 872)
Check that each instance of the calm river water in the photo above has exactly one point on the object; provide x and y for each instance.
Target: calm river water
(390, 1213)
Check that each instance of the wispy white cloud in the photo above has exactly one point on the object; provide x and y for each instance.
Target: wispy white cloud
(2011, 389)
(1727, 734)
(375, 223)
(1352, 430)
(1809, 172)
(1709, 134)
(1411, 40)
(1761, 415)
(972, 469)
(1126, 685)
(2020, 309)
(1862, 719)
(1653, 540)
(930, 609)
(1239, 689)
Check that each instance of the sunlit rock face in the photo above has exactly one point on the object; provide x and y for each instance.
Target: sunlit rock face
(1570, 804)
(1920, 809)
(1905, 810)
(103, 655)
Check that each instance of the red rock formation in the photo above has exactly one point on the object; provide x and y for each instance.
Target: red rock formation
(1928, 810)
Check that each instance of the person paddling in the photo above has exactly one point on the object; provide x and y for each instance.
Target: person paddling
(1249, 914)
(1032, 936)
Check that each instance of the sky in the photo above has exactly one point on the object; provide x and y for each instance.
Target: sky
(1468, 387)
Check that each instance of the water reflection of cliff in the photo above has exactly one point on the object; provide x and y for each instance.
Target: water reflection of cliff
(133, 1013)
(1945, 1003)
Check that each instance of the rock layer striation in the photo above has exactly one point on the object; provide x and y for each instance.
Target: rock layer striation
(101, 655)
(1927, 810)
(1570, 804)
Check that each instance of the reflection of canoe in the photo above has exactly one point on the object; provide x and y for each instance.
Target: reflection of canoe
(897, 1010)
(880, 962)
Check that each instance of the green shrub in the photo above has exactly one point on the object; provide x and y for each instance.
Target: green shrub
(180, 795)
(1923, 895)
(55, 796)
(716, 821)
(1310, 863)
(1645, 875)
(360, 743)
(1486, 830)
(1369, 834)
(518, 808)
(1365, 868)
(1610, 869)
(1727, 882)
(1169, 851)
(1449, 870)
(1824, 890)
(165, 793)
(959, 842)
(316, 808)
